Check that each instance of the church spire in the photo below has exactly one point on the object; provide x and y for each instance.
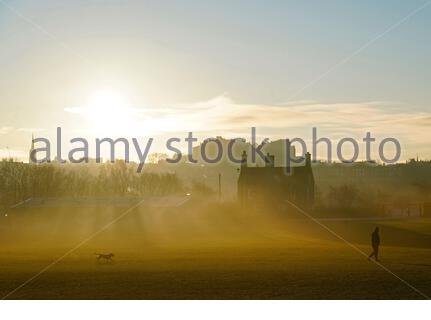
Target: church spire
(30, 160)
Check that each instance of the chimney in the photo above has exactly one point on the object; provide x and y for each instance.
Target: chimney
(244, 159)
(269, 160)
(308, 159)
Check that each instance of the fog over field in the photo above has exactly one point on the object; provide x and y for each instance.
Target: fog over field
(205, 250)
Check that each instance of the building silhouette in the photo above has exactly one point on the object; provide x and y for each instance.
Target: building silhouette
(278, 187)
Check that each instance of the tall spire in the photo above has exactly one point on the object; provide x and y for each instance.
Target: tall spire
(30, 160)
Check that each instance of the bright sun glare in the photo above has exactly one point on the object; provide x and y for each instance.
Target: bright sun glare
(108, 112)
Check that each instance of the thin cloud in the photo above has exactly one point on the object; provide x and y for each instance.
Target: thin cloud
(6, 129)
(89, 110)
(223, 111)
(31, 130)
(222, 114)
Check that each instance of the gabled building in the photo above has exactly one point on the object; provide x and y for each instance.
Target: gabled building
(271, 186)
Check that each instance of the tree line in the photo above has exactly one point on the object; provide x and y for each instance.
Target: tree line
(20, 181)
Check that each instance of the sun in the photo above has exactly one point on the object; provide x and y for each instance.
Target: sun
(108, 112)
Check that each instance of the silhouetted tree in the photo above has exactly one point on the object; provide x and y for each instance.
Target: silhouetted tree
(20, 181)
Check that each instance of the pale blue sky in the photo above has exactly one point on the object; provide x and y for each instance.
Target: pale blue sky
(160, 53)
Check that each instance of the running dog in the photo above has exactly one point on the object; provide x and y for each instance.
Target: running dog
(102, 256)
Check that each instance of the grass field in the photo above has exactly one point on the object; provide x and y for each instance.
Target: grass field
(199, 253)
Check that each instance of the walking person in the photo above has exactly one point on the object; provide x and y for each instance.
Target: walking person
(375, 243)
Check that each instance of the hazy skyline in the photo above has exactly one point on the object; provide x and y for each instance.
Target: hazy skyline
(216, 68)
